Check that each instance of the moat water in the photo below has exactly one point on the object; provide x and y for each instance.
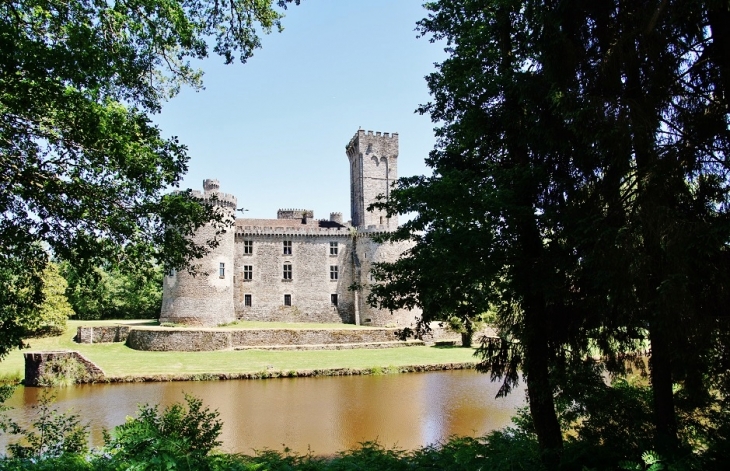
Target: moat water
(324, 415)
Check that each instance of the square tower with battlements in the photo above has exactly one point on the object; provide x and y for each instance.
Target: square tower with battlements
(373, 168)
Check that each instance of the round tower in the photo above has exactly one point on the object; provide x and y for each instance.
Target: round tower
(205, 299)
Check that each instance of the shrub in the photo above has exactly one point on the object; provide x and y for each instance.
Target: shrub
(179, 437)
(63, 371)
(55, 434)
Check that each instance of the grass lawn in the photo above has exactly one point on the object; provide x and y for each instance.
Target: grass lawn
(118, 360)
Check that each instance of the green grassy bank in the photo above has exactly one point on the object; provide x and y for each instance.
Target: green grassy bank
(118, 360)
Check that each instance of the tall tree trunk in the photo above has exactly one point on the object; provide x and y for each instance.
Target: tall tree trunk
(663, 398)
(535, 338)
(643, 111)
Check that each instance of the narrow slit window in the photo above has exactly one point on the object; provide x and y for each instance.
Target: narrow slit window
(222, 270)
(247, 300)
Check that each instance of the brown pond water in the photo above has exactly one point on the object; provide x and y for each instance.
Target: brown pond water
(325, 415)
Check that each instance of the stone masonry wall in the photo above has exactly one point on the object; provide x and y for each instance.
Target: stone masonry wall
(373, 168)
(207, 298)
(311, 285)
(368, 253)
(179, 340)
(35, 365)
(102, 334)
(226, 339)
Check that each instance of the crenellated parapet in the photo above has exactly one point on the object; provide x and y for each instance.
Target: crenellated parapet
(217, 198)
(275, 231)
(373, 161)
(295, 214)
(352, 147)
(336, 217)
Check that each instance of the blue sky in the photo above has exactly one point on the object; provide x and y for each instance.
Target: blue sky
(274, 130)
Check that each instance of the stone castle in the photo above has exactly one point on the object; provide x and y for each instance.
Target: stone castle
(296, 268)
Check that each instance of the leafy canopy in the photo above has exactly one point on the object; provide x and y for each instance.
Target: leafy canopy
(83, 170)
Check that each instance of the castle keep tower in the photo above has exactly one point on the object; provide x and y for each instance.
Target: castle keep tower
(207, 298)
(373, 168)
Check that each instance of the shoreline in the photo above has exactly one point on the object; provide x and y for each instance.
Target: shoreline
(273, 374)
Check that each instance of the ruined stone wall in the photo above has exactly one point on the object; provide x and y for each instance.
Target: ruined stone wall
(36, 363)
(102, 334)
(310, 287)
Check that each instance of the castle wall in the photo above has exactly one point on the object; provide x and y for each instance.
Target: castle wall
(310, 287)
(368, 253)
(205, 299)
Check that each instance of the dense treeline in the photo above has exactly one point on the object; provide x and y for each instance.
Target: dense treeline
(109, 293)
(581, 190)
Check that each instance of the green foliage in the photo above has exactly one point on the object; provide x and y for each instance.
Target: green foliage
(51, 315)
(84, 172)
(63, 371)
(109, 293)
(579, 185)
(54, 434)
(179, 437)
(21, 289)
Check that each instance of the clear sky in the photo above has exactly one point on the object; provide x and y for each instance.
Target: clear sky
(274, 130)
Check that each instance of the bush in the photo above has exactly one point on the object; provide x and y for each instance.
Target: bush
(55, 434)
(63, 371)
(179, 437)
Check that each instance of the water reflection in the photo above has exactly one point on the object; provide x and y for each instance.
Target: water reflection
(322, 414)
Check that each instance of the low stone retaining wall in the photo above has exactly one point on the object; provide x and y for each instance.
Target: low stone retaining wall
(37, 362)
(179, 340)
(340, 346)
(188, 340)
(272, 374)
(102, 334)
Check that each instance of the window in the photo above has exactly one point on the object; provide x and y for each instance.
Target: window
(287, 247)
(287, 300)
(333, 299)
(248, 247)
(222, 270)
(247, 272)
(247, 300)
(171, 272)
(287, 271)
(333, 248)
(333, 272)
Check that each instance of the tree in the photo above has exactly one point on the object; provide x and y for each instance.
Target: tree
(501, 174)
(51, 315)
(109, 293)
(83, 170)
(586, 144)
